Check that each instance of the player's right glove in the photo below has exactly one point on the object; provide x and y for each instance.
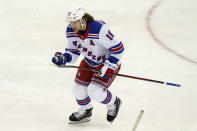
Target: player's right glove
(107, 69)
(59, 58)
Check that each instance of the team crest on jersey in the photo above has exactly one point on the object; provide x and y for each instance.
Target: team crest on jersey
(92, 43)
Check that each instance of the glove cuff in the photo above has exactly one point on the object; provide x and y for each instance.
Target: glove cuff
(110, 65)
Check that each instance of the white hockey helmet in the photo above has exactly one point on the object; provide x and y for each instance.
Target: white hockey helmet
(75, 13)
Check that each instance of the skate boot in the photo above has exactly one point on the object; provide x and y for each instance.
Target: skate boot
(80, 116)
(112, 113)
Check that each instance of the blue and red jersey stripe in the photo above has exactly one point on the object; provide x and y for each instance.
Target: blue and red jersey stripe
(74, 51)
(84, 101)
(117, 49)
(108, 98)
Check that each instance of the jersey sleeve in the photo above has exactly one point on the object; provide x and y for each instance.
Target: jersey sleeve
(110, 42)
(70, 47)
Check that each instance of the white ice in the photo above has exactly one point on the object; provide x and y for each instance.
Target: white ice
(36, 96)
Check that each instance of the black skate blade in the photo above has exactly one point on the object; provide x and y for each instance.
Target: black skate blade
(81, 121)
(110, 122)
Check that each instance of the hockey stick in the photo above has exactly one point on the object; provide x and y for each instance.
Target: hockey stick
(128, 76)
(138, 120)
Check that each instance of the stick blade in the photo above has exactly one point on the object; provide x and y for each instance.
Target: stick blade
(173, 84)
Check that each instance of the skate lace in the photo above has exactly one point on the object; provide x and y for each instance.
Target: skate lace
(79, 113)
(112, 112)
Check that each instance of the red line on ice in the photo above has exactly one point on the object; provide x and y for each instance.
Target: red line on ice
(150, 30)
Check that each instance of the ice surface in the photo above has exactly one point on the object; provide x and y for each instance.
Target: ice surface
(36, 96)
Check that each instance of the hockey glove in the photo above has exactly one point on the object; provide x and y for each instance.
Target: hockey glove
(59, 58)
(106, 69)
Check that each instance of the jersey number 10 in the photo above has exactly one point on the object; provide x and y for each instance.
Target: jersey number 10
(110, 35)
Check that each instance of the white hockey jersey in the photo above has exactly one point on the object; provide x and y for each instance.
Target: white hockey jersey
(96, 45)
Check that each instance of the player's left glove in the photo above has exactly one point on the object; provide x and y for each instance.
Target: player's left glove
(107, 69)
(59, 58)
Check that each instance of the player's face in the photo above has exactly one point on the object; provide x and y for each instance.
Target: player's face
(76, 25)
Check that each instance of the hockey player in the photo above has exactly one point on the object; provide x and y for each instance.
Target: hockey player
(102, 51)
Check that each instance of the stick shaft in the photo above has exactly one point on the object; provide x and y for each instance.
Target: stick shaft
(138, 120)
(140, 78)
(128, 76)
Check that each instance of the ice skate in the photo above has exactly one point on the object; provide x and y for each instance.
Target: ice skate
(80, 116)
(112, 113)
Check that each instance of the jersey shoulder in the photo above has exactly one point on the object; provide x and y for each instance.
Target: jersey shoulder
(70, 32)
(96, 26)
